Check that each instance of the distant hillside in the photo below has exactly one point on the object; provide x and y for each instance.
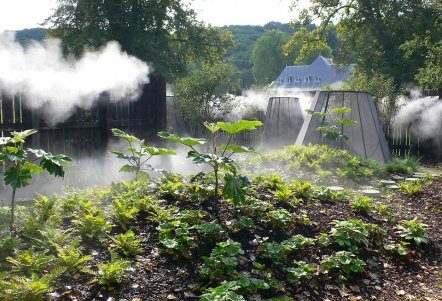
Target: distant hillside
(25, 36)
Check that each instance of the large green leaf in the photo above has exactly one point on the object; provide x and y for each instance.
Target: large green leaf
(124, 135)
(236, 148)
(20, 137)
(225, 163)
(239, 126)
(233, 188)
(341, 110)
(13, 154)
(128, 168)
(51, 163)
(319, 114)
(121, 155)
(188, 141)
(154, 151)
(346, 121)
(33, 168)
(212, 127)
(17, 177)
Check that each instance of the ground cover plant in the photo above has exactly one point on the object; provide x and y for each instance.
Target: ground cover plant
(322, 164)
(174, 238)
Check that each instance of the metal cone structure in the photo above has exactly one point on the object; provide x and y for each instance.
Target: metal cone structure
(366, 139)
(284, 119)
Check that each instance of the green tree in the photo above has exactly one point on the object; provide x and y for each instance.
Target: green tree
(383, 89)
(164, 32)
(203, 93)
(374, 29)
(267, 56)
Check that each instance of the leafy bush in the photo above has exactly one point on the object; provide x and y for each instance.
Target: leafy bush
(350, 234)
(31, 288)
(412, 187)
(413, 230)
(342, 262)
(274, 252)
(406, 166)
(112, 272)
(222, 263)
(127, 243)
(70, 257)
(234, 290)
(303, 272)
(211, 232)
(124, 213)
(8, 243)
(297, 243)
(92, 226)
(362, 204)
(225, 292)
(176, 238)
(280, 219)
(31, 261)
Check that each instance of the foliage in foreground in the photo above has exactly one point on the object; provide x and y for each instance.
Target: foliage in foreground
(257, 249)
(19, 163)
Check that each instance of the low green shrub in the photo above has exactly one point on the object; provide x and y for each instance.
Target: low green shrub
(127, 243)
(33, 288)
(110, 273)
(344, 263)
(413, 230)
(362, 204)
(222, 262)
(412, 187)
(407, 165)
(351, 234)
(301, 273)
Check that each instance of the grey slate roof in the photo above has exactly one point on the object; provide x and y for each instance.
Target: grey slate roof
(321, 72)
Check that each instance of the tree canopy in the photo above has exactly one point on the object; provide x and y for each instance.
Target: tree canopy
(375, 30)
(267, 56)
(203, 93)
(163, 32)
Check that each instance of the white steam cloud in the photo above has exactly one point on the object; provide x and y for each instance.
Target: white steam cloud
(45, 78)
(256, 100)
(423, 114)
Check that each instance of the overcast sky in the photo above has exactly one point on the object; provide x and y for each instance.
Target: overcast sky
(19, 14)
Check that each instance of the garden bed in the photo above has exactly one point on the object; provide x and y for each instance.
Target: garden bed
(288, 241)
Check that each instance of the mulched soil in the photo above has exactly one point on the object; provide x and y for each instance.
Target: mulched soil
(388, 277)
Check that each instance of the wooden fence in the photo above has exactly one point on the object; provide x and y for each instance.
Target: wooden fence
(88, 131)
(403, 141)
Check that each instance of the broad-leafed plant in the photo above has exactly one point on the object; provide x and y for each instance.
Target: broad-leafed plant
(19, 166)
(137, 154)
(333, 130)
(220, 156)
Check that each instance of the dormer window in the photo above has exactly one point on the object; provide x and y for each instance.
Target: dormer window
(297, 80)
(288, 79)
(317, 80)
(307, 79)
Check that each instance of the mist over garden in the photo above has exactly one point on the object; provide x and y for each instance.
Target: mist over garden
(149, 155)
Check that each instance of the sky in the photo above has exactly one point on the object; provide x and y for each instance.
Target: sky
(20, 14)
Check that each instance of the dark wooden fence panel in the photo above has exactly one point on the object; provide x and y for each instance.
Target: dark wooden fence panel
(87, 132)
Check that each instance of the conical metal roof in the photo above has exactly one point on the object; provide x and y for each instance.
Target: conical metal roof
(366, 139)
